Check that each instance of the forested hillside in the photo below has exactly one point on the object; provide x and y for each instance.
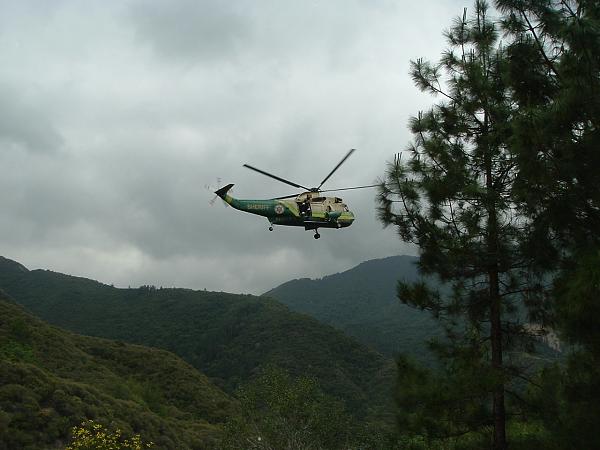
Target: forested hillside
(363, 302)
(228, 337)
(52, 380)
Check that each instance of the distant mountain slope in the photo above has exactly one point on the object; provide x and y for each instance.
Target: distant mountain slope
(52, 380)
(229, 337)
(362, 302)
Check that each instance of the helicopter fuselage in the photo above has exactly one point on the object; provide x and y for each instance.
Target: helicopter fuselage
(308, 210)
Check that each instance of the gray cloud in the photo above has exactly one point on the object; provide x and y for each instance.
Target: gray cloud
(24, 124)
(192, 30)
(113, 119)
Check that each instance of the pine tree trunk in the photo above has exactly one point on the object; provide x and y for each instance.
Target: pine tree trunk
(498, 394)
(499, 412)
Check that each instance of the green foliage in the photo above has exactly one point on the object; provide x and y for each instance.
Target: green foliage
(570, 394)
(279, 411)
(15, 351)
(554, 66)
(549, 136)
(577, 305)
(15, 345)
(453, 198)
(438, 409)
(567, 403)
(66, 379)
(93, 436)
(228, 337)
(442, 404)
(555, 61)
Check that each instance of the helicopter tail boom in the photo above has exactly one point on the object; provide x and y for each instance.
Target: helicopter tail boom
(223, 191)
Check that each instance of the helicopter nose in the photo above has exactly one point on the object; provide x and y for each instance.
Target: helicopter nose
(346, 221)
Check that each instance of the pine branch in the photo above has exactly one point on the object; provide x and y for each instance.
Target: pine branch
(573, 15)
(549, 63)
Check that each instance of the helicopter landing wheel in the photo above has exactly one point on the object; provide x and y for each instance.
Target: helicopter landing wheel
(317, 235)
(270, 228)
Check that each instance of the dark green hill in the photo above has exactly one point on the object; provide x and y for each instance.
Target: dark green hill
(52, 380)
(362, 302)
(228, 337)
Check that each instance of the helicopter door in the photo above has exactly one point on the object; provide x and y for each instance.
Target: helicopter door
(304, 208)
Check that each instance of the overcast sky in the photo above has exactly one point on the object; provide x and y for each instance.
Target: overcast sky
(114, 115)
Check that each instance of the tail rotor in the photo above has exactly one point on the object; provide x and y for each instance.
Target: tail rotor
(213, 189)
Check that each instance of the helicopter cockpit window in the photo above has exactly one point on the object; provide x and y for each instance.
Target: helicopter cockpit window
(338, 200)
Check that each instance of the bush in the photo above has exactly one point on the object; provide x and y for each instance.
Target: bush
(93, 436)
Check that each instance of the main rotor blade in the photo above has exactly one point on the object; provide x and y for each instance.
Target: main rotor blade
(351, 188)
(330, 190)
(336, 167)
(283, 180)
(286, 196)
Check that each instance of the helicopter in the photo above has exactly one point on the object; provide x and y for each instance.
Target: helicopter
(308, 209)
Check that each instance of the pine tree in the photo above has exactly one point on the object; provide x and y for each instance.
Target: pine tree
(555, 69)
(453, 197)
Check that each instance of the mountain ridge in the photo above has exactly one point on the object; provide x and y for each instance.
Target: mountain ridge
(362, 302)
(229, 337)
